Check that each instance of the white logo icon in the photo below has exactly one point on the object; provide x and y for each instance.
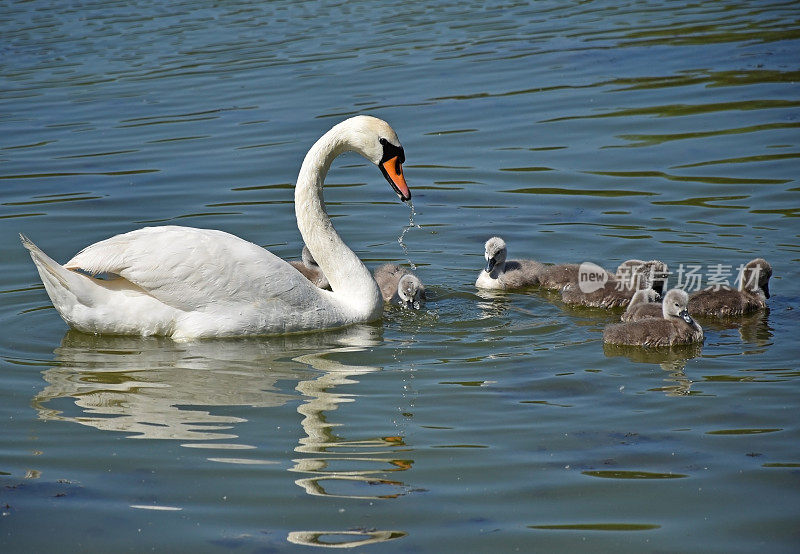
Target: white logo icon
(591, 277)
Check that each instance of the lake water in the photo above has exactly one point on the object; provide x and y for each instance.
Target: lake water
(578, 131)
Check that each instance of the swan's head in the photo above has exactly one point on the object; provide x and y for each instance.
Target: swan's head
(495, 253)
(676, 303)
(755, 275)
(411, 291)
(374, 139)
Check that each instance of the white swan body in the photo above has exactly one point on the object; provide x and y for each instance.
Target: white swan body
(187, 283)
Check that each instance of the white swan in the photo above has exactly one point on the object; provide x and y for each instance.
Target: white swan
(188, 283)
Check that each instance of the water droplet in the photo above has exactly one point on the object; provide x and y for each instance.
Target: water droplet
(405, 230)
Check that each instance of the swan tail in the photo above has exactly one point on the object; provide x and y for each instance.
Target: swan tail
(48, 268)
(65, 288)
(92, 305)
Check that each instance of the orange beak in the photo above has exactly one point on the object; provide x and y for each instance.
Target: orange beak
(392, 169)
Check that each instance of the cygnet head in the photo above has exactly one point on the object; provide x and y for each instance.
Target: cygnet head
(495, 253)
(676, 303)
(755, 275)
(411, 291)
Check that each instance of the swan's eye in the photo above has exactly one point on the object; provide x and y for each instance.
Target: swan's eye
(392, 151)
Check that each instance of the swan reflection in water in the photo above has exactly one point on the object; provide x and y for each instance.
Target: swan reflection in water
(326, 449)
(155, 388)
(671, 359)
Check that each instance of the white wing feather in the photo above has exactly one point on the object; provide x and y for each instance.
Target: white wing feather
(190, 269)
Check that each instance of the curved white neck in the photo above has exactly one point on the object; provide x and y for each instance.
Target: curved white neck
(350, 280)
